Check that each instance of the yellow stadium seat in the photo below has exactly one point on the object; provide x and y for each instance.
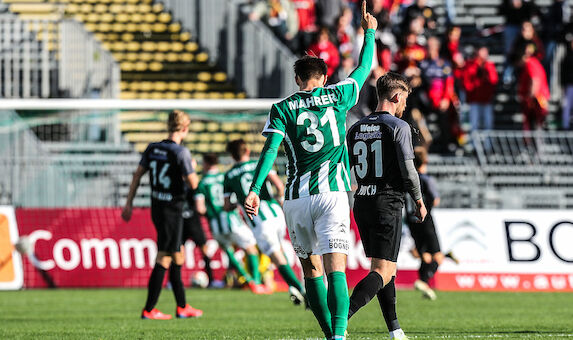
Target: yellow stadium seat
(150, 17)
(163, 46)
(127, 95)
(170, 95)
(174, 86)
(72, 8)
(131, 27)
(159, 86)
(86, 8)
(143, 95)
(127, 66)
(145, 56)
(145, 27)
(229, 95)
(133, 46)
(157, 8)
(144, 8)
(188, 86)
(172, 57)
(185, 36)
(164, 17)
(149, 46)
(159, 27)
(197, 126)
(156, 95)
(103, 27)
(175, 27)
(118, 46)
(127, 36)
(155, 66)
(116, 8)
(118, 27)
(159, 56)
(146, 86)
(100, 8)
(132, 56)
(199, 86)
(186, 57)
(176, 46)
(191, 46)
(184, 95)
(123, 85)
(134, 86)
(122, 17)
(130, 8)
(135, 17)
(202, 57)
(204, 76)
(220, 77)
(107, 17)
(141, 66)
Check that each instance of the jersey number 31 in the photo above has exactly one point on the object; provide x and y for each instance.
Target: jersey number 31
(312, 129)
(360, 150)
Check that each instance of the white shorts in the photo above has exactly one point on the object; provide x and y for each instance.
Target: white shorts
(319, 224)
(240, 235)
(272, 230)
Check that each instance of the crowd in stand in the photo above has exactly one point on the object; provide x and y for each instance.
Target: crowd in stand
(445, 77)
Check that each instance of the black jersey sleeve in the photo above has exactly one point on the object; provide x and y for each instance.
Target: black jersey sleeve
(184, 162)
(144, 162)
(403, 140)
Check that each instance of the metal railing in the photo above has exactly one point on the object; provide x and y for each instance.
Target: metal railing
(248, 51)
(44, 58)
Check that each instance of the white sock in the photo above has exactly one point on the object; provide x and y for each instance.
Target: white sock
(397, 334)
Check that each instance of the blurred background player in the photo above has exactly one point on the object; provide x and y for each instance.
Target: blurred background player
(424, 233)
(316, 204)
(193, 230)
(269, 227)
(171, 166)
(382, 158)
(227, 228)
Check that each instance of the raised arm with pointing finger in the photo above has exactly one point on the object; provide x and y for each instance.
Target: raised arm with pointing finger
(275, 137)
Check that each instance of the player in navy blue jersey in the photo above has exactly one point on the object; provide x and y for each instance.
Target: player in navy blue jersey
(171, 167)
(381, 154)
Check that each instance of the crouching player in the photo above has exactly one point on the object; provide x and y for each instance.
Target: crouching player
(227, 227)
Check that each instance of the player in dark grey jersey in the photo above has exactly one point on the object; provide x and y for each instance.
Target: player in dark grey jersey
(381, 154)
(171, 167)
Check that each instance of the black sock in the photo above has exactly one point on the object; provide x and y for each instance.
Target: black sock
(177, 285)
(364, 292)
(423, 271)
(154, 286)
(432, 269)
(208, 269)
(387, 300)
(427, 270)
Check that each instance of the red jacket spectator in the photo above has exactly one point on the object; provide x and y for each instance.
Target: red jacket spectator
(306, 15)
(326, 50)
(409, 55)
(533, 92)
(479, 79)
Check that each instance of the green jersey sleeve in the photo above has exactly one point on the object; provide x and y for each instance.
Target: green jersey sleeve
(201, 191)
(276, 122)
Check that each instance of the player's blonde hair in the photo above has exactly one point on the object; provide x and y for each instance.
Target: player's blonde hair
(177, 121)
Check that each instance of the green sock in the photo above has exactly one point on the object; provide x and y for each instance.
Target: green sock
(338, 302)
(253, 262)
(233, 263)
(317, 299)
(290, 278)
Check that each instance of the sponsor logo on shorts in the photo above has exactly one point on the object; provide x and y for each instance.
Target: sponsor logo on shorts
(338, 243)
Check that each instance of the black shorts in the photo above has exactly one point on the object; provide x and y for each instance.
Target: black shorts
(425, 237)
(166, 217)
(192, 228)
(379, 221)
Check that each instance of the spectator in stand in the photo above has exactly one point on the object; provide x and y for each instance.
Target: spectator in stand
(410, 54)
(451, 52)
(306, 12)
(567, 82)
(280, 16)
(381, 12)
(326, 50)
(553, 25)
(515, 12)
(327, 11)
(479, 80)
(346, 67)
(530, 39)
(345, 33)
(419, 9)
(439, 82)
(533, 91)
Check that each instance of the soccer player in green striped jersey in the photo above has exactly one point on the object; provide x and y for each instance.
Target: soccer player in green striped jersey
(312, 124)
(269, 227)
(228, 228)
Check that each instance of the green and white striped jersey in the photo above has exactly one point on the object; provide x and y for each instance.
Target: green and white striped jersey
(211, 190)
(313, 124)
(238, 181)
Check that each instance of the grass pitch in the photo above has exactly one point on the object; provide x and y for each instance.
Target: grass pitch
(232, 314)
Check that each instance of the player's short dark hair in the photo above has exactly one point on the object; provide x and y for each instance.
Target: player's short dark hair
(211, 159)
(237, 148)
(420, 156)
(389, 83)
(309, 67)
